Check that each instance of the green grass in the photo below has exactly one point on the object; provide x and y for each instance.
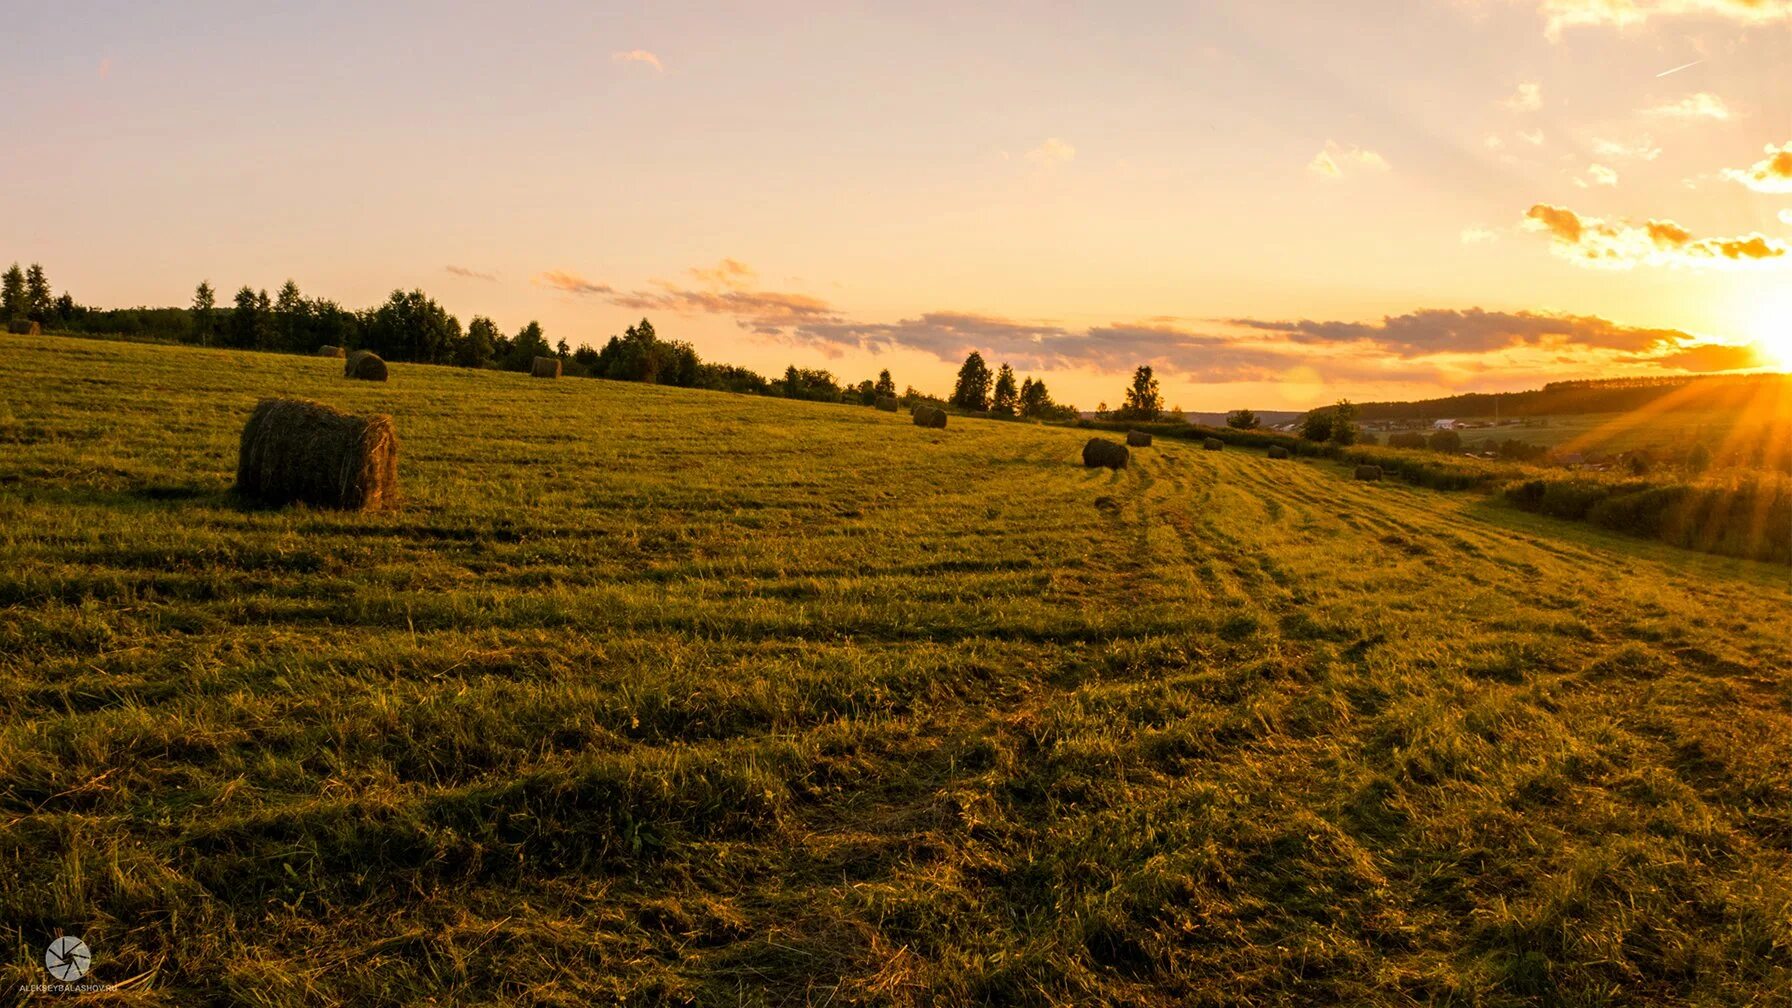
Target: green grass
(1605, 433)
(670, 697)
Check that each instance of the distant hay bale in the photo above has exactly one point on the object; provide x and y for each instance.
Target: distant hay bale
(1213, 444)
(1138, 439)
(545, 367)
(332, 351)
(24, 327)
(930, 416)
(1277, 452)
(1370, 473)
(298, 450)
(365, 365)
(886, 403)
(1100, 452)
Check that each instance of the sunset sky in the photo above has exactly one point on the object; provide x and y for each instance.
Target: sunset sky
(1276, 204)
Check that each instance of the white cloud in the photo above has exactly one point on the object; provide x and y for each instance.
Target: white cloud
(1532, 137)
(1600, 175)
(1562, 14)
(1528, 98)
(1786, 216)
(1642, 150)
(1477, 235)
(1702, 105)
(639, 56)
(1772, 174)
(1336, 161)
(1052, 152)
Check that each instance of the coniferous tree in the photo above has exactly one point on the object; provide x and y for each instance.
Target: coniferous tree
(1006, 399)
(972, 388)
(12, 294)
(205, 302)
(291, 315)
(38, 300)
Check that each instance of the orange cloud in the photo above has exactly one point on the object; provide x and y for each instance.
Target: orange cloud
(571, 283)
(727, 273)
(1772, 174)
(470, 273)
(639, 56)
(1617, 244)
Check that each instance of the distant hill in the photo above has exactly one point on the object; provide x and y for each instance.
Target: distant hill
(1615, 395)
(1268, 418)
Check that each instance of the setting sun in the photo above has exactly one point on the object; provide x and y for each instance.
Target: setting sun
(1772, 331)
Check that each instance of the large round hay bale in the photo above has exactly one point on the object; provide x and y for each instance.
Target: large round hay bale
(298, 450)
(332, 351)
(365, 365)
(545, 367)
(930, 416)
(1100, 452)
(1138, 439)
(1370, 473)
(1277, 452)
(886, 403)
(24, 327)
(1213, 444)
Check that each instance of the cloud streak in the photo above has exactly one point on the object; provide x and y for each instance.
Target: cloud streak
(1426, 345)
(639, 56)
(1619, 244)
(572, 283)
(470, 273)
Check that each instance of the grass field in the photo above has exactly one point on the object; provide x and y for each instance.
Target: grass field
(670, 697)
(1623, 432)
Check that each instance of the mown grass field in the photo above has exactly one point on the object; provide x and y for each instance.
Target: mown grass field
(666, 697)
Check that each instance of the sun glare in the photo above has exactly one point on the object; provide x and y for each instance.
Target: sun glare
(1772, 332)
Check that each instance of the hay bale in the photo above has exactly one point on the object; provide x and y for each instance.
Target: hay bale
(298, 450)
(1369, 473)
(1213, 444)
(1138, 439)
(335, 352)
(1277, 452)
(24, 327)
(545, 367)
(930, 416)
(1099, 452)
(886, 403)
(365, 365)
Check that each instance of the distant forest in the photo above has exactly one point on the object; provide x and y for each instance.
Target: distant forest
(410, 326)
(1613, 395)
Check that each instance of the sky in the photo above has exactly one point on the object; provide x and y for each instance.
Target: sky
(1273, 204)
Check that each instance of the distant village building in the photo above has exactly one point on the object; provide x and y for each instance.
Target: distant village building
(1446, 424)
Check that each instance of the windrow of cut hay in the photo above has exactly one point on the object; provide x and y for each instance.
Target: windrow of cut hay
(296, 450)
(365, 365)
(1745, 514)
(545, 367)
